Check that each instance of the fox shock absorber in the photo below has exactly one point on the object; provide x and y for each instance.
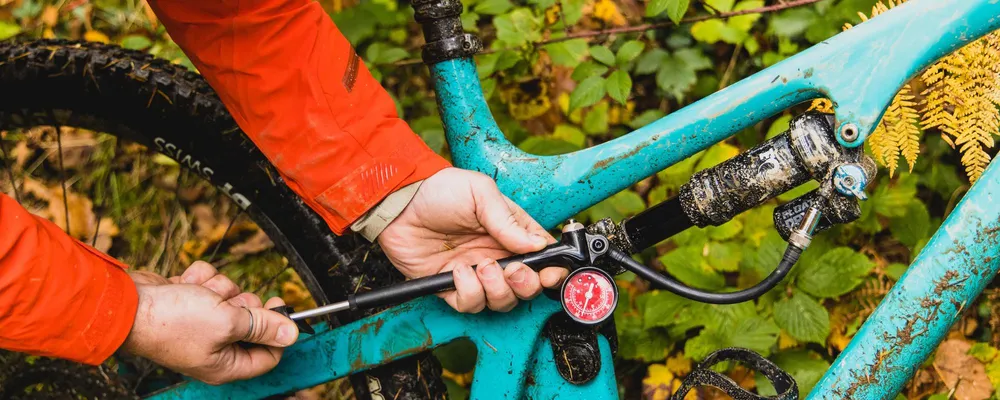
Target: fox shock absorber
(808, 150)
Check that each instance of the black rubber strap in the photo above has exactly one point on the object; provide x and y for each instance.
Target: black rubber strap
(704, 376)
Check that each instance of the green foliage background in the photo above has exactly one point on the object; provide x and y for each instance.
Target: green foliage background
(552, 95)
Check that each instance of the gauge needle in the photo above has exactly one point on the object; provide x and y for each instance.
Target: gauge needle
(589, 295)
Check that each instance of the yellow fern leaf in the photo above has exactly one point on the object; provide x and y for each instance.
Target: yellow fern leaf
(961, 101)
(821, 105)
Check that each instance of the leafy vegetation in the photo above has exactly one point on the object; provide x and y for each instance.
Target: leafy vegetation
(561, 75)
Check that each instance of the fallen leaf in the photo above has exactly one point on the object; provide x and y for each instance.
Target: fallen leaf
(294, 293)
(95, 36)
(50, 16)
(607, 11)
(679, 365)
(962, 372)
(659, 383)
(255, 244)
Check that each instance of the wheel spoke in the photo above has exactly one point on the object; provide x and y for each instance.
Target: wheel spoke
(62, 175)
(218, 245)
(270, 280)
(10, 172)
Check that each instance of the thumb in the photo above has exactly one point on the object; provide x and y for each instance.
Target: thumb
(504, 223)
(266, 327)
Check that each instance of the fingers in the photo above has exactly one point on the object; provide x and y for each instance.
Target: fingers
(523, 281)
(552, 276)
(222, 285)
(147, 278)
(468, 296)
(498, 218)
(204, 274)
(262, 326)
(499, 296)
(199, 272)
(246, 300)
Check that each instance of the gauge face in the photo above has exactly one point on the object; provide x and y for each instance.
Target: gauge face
(589, 296)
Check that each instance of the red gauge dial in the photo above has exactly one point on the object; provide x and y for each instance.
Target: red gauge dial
(589, 296)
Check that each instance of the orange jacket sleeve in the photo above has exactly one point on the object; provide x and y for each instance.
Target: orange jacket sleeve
(298, 89)
(59, 297)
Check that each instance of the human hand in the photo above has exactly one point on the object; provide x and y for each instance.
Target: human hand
(191, 323)
(459, 218)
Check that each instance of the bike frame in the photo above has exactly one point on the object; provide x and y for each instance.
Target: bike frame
(860, 70)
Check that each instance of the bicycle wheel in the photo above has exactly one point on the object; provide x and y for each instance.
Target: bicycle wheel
(136, 97)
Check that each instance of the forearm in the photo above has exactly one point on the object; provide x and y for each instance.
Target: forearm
(299, 91)
(59, 297)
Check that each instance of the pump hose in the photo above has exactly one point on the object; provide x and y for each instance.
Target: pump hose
(662, 281)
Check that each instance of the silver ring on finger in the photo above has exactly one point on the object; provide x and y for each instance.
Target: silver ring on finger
(250, 331)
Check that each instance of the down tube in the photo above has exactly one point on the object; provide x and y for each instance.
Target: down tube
(950, 272)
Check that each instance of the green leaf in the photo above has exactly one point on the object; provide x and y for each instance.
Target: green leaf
(675, 77)
(756, 334)
(765, 257)
(721, 5)
(547, 146)
(602, 54)
(983, 352)
(458, 356)
(568, 53)
(678, 174)
(9, 30)
(134, 42)
(647, 117)
(688, 266)
(675, 9)
(743, 23)
(725, 257)
(470, 21)
(913, 226)
(716, 155)
(596, 120)
(629, 51)
(805, 367)
(663, 309)
(570, 134)
(896, 270)
(836, 272)
(588, 92)
(779, 126)
(803, 318)
(650, 61)
(725, 231)
(619, 86)
(791, 23)
(518, 27)
(714, 30)
(588, 69)
(492, 7)
(623, 204)
(893, 201)
(489, 85)
(707, 341)
(382, 53)
(694, 59)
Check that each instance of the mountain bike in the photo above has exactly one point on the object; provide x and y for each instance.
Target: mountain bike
(554, 346)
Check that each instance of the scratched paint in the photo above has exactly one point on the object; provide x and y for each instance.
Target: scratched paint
(947, 275)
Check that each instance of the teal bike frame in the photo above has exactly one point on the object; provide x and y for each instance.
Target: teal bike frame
(860, 70)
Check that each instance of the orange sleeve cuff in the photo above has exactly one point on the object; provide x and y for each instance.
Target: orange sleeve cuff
(60, 297)
(298, 89)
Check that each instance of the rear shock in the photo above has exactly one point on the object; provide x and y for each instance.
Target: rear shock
(807, 150)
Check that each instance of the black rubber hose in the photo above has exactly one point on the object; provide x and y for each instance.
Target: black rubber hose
(664, 282)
